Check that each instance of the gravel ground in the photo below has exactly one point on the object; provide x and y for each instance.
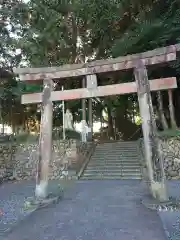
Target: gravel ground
(91, 210)
(171, 220)
(12, 197)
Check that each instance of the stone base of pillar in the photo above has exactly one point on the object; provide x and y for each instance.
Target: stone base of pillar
(41, 190)
(159, 191)
(34, 203)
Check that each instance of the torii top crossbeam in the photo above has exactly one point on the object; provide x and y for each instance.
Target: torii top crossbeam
(90, 70)
(100, 66)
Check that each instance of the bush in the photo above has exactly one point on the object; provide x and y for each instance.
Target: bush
(169, 133)
(5, 138)
(25, 137)
(70, 134)
(56, 135)
(31, 138)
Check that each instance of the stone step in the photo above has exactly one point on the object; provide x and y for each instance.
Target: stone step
(119, 143)
(111, 174)
(111, 167)
(134, 168)
(117, 150)
(109, 177)
(113, 153)
(114, 162)
(127, 164)
(117, 160)
(111, 157)
(118, 156)
(118, 146)
(128, 152)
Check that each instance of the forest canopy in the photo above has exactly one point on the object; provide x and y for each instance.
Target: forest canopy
(41, 33)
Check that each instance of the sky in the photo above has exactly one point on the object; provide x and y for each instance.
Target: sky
(96, 126)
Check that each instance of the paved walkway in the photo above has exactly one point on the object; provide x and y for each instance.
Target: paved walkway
(171, 220)
(94, 210)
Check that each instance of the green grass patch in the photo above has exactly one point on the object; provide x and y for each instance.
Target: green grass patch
(169, 133)
(33, 138)
(70, 134)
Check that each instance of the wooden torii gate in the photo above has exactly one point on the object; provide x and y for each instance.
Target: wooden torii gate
(142, 86)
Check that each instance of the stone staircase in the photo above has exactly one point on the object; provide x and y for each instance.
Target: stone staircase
(114, 160)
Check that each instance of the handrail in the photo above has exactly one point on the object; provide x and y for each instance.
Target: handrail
(88, 157)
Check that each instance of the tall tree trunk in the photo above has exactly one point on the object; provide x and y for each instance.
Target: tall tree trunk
(3, 127)
(110, 123)
(161, 112)
(84, 102)
(171, 109)
(90, 118)
(101, 120)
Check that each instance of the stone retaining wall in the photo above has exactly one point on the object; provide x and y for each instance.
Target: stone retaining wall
(170, 147)
(171, 152)
(20, 161)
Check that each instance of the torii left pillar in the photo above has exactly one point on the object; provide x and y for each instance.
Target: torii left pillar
(45, 141)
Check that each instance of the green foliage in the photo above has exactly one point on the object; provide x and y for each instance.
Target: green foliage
(56, 32)
(25, 138)
(19, 139)
(157, 28)
(70, 134)
(34, 138)
(5, 139)
(10, 25)
(29, 88)
(169, 133)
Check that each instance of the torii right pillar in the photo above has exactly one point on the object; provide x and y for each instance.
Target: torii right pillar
(153, 154)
